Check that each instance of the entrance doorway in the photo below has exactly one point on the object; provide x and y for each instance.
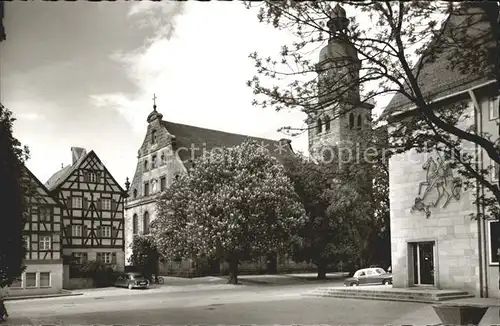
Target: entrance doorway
(423, 263)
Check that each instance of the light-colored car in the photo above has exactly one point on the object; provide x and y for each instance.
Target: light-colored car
(369, 276)
(132, 281)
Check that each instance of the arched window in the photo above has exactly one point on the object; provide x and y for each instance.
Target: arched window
(153, 137)
(145, 165)
(318, 126)
(327, 123)
(135, 224)
(135, 193)
(359, 121)
(351, 120)
(154, 186)
(146, 223)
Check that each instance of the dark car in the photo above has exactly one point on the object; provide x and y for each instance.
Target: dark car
(132, 281)
(369, 276)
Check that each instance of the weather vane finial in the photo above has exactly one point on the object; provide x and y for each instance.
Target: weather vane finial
(154, 101)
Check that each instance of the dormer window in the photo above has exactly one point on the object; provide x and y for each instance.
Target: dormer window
(145, 165)
(318, 126)
(153, 137)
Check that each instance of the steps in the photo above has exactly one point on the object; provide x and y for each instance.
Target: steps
(388, 293)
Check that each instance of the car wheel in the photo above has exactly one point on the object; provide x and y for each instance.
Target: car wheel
(386, 282)
(130, 286)
(354, 284)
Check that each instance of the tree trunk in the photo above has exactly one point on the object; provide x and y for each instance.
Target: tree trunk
(233, 271)
(321, 271)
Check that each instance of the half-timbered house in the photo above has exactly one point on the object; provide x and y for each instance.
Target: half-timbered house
(42, 234)
(92, 225)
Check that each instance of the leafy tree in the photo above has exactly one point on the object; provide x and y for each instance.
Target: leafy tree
(395, 42)
(145, 254)
(235, 204)
(12, 201)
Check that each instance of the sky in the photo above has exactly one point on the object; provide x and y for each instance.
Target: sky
(84, 73)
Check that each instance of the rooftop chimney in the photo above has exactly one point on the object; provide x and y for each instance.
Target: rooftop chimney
(77, 153)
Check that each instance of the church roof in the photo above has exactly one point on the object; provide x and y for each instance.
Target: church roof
(436, 78)
(186, 135)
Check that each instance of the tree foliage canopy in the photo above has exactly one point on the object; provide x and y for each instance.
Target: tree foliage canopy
(12, 201)
(235, 204)
(144, 254)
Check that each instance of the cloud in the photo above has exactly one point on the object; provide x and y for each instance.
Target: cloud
(32, 116)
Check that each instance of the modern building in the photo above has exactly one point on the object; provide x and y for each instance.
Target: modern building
(435, 242)
(42, 234)
(93, 210)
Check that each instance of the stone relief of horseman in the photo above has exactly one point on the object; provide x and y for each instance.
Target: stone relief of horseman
(439, 176)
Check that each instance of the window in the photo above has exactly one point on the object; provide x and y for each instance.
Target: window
(145, 165)
(106, 257)
(44, 279)
(17, 283)
(153, 137)
(493, 108)
(369, 272)
(162, 159)
(327, 123)
(153, 186)
(44, 213)
(362, 274)
(76, 230)
(76, 202)
(79, 257)
(153, 161)
(493, 235)
(146, 189)
(44, 243)
(106, 204)
(135, 224)
(27, 243)
(92, 177)
(135, 193)
(351, 120)
(495, 169)
(163, 183)
(359, 122)
(146, 223)
(106, 231)
(31, 280)
(318, 126)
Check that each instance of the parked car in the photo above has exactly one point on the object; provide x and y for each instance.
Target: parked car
(369, 276)
(132, 281)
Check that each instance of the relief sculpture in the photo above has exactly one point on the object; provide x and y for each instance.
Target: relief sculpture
(439, 177)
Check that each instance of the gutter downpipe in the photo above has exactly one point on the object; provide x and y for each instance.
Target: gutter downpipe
(483, 287)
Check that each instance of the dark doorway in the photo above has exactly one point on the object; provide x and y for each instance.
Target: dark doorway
(423, 263)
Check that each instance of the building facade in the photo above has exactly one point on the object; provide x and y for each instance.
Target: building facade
(167, 151)
(42, 234)
(435, 242)
(93, 211)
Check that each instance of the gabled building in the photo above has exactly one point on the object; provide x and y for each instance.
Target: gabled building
(42, 234)
(167, 151)
(434, 241)
(92, 214)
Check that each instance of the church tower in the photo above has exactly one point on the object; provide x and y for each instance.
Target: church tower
(340, 119)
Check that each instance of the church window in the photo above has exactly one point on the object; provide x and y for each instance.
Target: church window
(319, 126)
(146, 223)
(359, 121)
(162, 159)
(327, 123)
(153, 137)
(493, 234)
(153, 186)
(145, 165)
(163, 183)
(135, 193)
(495, 170)
(135, 224)
(146, 189)
(351, 120)
(153, 161)
(493, 106)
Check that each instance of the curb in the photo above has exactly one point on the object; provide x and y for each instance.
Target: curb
(42, 296)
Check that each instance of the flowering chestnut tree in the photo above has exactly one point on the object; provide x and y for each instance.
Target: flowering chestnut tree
(234, 204)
